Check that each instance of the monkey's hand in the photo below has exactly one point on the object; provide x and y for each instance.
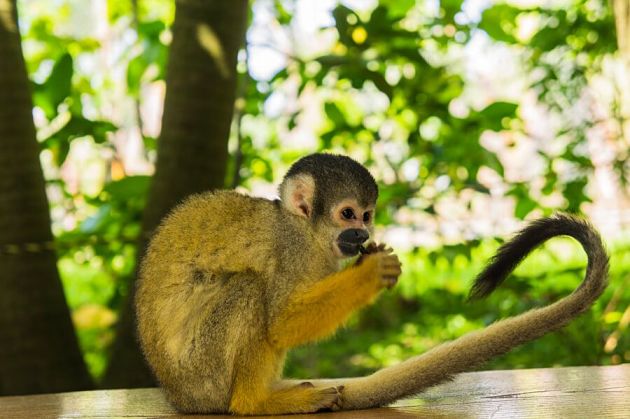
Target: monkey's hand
(387, 267)
(372, 248)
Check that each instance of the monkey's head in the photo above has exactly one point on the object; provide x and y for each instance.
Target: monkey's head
(337, 195)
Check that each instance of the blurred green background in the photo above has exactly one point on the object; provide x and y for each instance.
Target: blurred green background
(473, 116)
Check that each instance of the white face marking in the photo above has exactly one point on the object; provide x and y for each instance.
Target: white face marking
(348, 214)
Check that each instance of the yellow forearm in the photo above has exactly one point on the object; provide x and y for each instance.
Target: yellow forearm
(318, 311)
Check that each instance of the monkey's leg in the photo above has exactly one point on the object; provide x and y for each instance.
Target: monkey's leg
(316, 312)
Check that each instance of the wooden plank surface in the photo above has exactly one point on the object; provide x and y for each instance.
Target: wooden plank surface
(572, 392)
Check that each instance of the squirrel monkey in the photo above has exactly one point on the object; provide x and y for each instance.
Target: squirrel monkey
(230, 283)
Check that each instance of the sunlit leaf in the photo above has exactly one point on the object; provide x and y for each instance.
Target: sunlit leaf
(57, 86)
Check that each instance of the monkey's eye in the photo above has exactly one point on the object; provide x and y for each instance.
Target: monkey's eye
(348, 214)
(366, 217)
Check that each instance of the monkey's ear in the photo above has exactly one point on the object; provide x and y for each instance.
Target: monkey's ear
(297, 194)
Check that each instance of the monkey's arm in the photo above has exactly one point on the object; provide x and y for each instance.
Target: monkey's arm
(315, 312)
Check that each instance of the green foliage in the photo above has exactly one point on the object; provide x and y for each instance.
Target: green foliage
(56, 88)
(153, 53)
(97, 261)
(380, 57)
(97, 255)
(569, 45)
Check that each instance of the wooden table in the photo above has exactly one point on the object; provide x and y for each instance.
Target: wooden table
(572, 392)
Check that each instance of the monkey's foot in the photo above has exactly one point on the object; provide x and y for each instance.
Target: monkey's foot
(328, 399)
(300, 398)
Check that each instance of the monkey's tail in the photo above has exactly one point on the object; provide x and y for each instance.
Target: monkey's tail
(441, 363)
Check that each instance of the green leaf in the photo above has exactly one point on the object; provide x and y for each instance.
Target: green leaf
(128, 188)
(57, 87)
(77, 126)
(523, 207)
(135, 69)
(96, 222)
(334, 113)
(493, 114)
(398, 8)
(499, 22)
(151, 29)
(380, 82)
(499, 110)
(282, 14)
(58, 148)
(574, 193)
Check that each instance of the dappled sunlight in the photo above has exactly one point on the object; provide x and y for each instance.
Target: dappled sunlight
(210, 42)
(6, 16)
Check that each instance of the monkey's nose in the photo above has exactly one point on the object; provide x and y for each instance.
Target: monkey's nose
(354, 235)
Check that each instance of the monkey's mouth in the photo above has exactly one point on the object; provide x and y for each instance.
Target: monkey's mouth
(349, 249)
(350, 241)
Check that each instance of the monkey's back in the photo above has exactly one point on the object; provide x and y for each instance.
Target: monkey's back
(198, 299)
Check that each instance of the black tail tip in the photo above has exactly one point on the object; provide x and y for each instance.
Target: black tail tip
(535, 233)
(480, 289)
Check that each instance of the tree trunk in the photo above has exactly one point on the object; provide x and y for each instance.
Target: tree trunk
(39, 352)
(192, 149)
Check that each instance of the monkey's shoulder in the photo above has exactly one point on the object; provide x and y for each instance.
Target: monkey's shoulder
(221, 209)
(222, 230)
